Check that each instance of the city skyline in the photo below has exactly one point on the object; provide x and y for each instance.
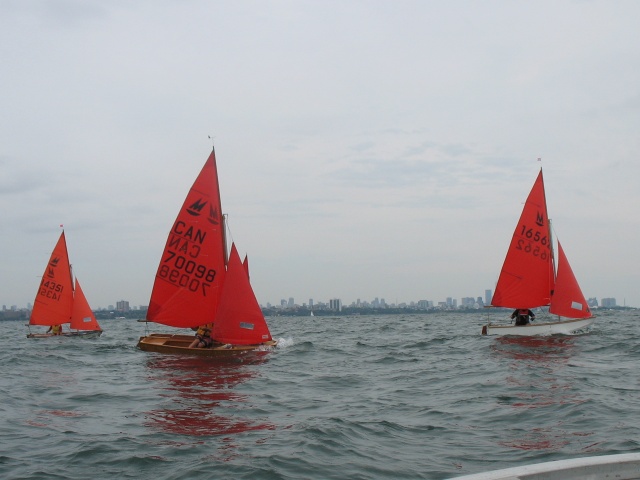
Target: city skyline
(290, 302)
(125, 305)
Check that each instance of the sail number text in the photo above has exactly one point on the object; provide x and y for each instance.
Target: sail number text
(527, 243)
(50, 289)
(186, 273)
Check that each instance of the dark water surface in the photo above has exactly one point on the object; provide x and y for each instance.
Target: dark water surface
(415, 396)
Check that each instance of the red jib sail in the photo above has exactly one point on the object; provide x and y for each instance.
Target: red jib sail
(245, 264)
(54, 299)
(568, 300)
(187, 286)
(82, 318)
(527, 276)
(239, 320)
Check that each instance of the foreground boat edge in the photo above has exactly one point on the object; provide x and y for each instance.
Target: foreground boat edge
(624, 466)
(179, 344)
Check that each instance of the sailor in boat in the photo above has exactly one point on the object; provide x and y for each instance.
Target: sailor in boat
(522, 316)
(203, 336)
(55, 329)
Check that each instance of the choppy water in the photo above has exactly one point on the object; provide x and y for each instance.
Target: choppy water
(416, 396)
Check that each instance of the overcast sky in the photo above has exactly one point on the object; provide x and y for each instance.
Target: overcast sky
(365, 148)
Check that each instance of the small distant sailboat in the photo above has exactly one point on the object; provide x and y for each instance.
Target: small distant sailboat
(528, 278)
(198, 284)
(58, 303)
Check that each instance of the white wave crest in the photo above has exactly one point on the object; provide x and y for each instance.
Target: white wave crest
(285, 342)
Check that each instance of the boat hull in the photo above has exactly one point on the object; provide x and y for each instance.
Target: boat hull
(624, 466)
(179, 345)
(84, 334)
(566, 327)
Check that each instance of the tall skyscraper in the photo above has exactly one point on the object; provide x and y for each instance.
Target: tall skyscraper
(335, 304)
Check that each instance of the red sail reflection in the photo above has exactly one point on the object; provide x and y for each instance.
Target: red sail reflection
(545, 350)
(537, 382)
(197, 387)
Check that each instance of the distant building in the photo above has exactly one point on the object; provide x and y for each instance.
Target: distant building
(467, 302)
(425, 304)
(487, 297)
(592, 302)
(335, 304)
(608, 302)
(122, 306)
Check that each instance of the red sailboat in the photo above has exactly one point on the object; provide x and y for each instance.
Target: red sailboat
(528, 278)
(58, 303)
(197, 284)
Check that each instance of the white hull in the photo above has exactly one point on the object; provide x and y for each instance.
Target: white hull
(565, 327)
(625, 466)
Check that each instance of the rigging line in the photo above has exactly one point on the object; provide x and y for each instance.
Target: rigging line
(228, 228)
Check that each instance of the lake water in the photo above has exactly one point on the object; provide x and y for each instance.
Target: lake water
(361, 397)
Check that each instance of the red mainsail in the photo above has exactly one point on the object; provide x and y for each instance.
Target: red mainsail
(527, 276)
(82, 318)
(568, 300)
(239, 320)
(54, 299)
(188, 282)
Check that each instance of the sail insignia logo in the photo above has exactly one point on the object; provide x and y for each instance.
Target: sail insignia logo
(539, 220)
(52, 265)
(196, 207)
